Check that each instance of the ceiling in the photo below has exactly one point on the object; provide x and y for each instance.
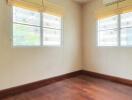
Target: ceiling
(82, 1)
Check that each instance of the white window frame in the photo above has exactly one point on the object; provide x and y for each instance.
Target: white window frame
(118, 38)
(41, 34)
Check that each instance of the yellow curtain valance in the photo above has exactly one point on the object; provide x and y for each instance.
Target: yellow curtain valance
(38, 5)
(53, 9)
(114, 9)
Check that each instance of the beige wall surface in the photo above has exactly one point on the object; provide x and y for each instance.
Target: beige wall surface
(115, 61)
(24, 65)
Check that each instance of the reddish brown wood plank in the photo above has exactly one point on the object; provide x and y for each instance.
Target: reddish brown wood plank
(78, 88)
(35, 85)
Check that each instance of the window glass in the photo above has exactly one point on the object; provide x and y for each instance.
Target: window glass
(126, 37)
(24, 35)
(26, 16)
(126, 29)
(107, 31)
(52, 30)
(51, 37)
(126, 20)
(51, 21)
(28, 29)
(108, 23)
(108, 38)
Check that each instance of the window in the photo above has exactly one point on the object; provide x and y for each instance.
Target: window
(32, 28)
(107, 31)
(126, 29)
(26, 27)
(115, 30)
(52, 30)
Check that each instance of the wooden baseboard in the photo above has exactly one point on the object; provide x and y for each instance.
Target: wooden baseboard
(39, 84)
(108, 77)
(35, 85)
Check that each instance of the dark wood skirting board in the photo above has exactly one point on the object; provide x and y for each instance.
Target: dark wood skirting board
(35, 85)
(41, 83)
(108, 77)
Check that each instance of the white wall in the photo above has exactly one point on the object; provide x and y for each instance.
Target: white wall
(106, 60)
(24, 65)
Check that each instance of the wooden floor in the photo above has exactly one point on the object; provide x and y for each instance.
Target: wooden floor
(78, 88)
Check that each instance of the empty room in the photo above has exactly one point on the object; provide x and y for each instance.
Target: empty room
(65, 49)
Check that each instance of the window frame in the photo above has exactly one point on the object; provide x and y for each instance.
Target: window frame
(118, 38)
(41, 33)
